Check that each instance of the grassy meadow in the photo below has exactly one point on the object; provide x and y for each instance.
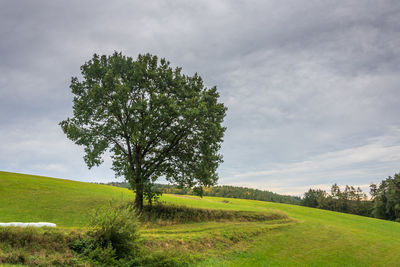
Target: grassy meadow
(66, 203)
(300, 237)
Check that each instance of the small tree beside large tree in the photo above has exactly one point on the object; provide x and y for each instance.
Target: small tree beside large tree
(154, 121)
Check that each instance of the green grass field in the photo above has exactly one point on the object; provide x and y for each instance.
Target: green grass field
(31, 198)
(311, 238)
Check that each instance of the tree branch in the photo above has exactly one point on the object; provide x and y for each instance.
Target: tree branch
(158, 160)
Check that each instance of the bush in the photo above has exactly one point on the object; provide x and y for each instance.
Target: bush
(113, 237)
(117, 226)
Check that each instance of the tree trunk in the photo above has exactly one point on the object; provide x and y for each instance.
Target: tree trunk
(139, 197)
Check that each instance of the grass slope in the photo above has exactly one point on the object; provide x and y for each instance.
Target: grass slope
(316, 238)
(319, 238)
(29, 198)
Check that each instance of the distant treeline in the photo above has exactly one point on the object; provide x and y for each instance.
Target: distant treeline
(350, 200)
(384, 202)
(223, 191)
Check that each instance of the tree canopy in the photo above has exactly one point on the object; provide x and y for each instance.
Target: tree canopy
(154, 120)
(386, 198)
(350, 200)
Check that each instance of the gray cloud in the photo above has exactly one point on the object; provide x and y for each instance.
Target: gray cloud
(303, 80)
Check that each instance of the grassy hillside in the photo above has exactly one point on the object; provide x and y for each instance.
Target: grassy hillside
(314, 237)
(29, 198)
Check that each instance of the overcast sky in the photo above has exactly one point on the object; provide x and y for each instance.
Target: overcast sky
(312, 87)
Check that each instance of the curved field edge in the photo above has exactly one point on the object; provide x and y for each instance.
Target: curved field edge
(182, 244)
(318, 237)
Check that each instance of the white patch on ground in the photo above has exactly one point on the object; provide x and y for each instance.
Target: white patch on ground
(38, 224)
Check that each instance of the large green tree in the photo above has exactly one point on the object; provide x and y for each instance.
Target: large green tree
(154, 120)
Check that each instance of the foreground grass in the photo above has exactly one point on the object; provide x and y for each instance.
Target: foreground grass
(39, 246)
(310, 237)
(320, 238)
(175, 245)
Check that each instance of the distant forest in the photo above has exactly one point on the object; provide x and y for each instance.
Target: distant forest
(350, 200)
(223, 191)
(383, 204)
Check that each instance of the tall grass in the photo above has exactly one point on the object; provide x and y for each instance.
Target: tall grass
(38, 246)
(164, 213)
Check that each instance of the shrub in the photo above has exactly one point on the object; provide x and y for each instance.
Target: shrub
(113, 237)
(117, 226)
